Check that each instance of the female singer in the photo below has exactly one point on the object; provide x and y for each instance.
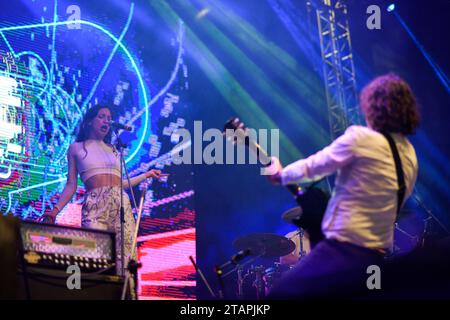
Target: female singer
(98, 163)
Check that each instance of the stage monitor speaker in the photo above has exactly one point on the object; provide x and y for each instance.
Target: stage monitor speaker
(51, 284)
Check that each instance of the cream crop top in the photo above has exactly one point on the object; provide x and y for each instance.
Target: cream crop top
(101, 158)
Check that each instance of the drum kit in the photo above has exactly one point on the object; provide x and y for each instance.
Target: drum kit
(253, 282)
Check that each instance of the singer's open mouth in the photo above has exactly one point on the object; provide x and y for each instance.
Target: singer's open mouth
(104, 127)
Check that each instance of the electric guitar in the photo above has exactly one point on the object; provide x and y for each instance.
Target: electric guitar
(312, 200)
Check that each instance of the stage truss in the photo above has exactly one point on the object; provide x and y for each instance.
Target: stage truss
(338, 67)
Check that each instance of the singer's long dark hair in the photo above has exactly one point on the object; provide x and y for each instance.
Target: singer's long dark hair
(85, 126)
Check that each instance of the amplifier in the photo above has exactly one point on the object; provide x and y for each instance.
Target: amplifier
(57, 247)
(51, 284)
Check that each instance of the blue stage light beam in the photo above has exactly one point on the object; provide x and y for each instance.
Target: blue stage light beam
(436, 68)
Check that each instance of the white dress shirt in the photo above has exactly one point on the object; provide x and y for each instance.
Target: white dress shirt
(363, 205)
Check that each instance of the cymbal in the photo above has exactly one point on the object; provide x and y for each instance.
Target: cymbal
(292, 215)
(265, 244)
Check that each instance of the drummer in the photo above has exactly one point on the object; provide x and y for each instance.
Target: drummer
(293, 257)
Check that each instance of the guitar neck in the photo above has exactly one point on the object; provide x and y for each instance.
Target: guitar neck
(261, 154)
(265, 159)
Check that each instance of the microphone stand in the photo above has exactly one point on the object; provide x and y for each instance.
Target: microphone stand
(240, 279)
(133, 265)
(234, 260)
(219, 272)
(202, 276)
(120, 147)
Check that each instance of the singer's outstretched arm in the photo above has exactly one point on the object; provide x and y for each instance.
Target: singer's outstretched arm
(156, 174)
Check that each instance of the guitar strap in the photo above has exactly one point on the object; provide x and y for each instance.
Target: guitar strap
(398, 168)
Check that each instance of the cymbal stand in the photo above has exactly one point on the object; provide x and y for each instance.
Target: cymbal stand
(301, 234)
(240, 278)
(259, 282)
(240, 282)
(430, 216)
(411, 237)
(241, 265)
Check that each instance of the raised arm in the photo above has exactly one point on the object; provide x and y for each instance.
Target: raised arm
(138, 179)
(325, 162)
(69, 188)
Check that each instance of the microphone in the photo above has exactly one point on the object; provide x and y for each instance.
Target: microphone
(240, 255)
(118, 125)
(234, 260)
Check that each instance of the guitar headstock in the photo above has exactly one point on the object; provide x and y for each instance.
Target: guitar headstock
(235, 131)
(234, 124)
(239, 131)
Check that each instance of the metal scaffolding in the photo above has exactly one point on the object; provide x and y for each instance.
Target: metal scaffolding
(338, 67)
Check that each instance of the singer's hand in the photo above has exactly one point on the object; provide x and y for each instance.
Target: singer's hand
(49, 217)
(156, 174)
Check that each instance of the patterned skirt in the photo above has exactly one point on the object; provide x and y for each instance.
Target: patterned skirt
(101, 210)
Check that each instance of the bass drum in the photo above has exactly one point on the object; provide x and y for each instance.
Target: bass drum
(259, 280)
